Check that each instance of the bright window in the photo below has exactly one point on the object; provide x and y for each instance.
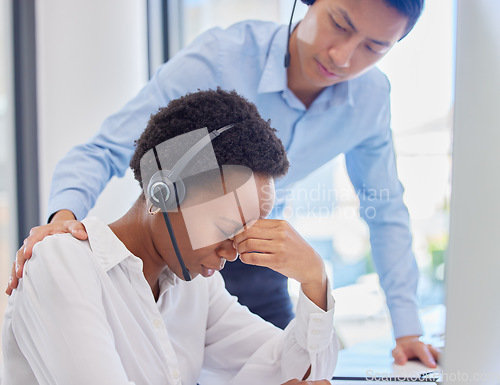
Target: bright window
(420, 69)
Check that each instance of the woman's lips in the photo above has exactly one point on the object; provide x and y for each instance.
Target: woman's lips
(206, 272)
(209, 271)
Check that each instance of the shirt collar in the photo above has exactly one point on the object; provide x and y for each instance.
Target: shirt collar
(110, 251)
(106, 246)
(274, 78)
(335, 96)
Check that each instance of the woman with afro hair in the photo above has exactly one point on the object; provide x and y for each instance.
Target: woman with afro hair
(141, 301)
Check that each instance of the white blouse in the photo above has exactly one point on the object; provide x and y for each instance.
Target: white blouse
(85, 314)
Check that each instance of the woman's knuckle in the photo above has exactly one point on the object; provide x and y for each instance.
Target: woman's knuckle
(282, 234)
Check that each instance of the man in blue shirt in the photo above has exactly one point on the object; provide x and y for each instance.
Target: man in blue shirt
(330, 100)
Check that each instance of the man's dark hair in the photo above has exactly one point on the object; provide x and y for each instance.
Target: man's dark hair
(251, 142)
(412, 9)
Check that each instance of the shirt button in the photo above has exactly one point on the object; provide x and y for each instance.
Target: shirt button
(157, 323)
(313, 347)
(316, 320)
(176, 374)
(315, 332)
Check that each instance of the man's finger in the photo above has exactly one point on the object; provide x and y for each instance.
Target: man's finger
(12, 280)
(436, 353)
(19, 263)
(399, 355)
(424, 354)
(21, 257)
(24, 253)
(31, 241)
(78, 230)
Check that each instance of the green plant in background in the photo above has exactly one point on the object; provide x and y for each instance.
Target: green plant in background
(369, 265)
(437, 247)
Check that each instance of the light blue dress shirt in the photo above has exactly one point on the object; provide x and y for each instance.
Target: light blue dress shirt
(352, 117)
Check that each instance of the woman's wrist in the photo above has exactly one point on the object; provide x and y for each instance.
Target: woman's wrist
(316, 291)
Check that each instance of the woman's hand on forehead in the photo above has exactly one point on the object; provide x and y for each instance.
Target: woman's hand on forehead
(277, 245)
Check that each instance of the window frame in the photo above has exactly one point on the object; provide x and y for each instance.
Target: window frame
(25, 116)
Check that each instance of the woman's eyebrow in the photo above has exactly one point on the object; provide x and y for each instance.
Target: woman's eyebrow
(232, 221)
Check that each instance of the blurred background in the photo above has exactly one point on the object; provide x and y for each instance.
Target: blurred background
(65, 66)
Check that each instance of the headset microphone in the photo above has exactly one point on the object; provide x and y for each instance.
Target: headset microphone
(287, 55)
(161, 195)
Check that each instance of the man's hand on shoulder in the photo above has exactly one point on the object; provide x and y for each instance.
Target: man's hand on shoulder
(62, 222)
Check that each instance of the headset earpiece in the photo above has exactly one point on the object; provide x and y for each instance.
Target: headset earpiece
(173, 193)
(308, 2)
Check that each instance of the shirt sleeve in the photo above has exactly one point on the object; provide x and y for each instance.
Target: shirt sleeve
(81, 175)
(260, 353)
(372, 169)
(58, 320)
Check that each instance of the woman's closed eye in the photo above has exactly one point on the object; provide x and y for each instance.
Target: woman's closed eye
(228, 233)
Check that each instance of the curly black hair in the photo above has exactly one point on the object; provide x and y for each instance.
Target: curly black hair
(251, 142)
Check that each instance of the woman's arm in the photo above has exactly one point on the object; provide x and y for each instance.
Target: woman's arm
(241, 348)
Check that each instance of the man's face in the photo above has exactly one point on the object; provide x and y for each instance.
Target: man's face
(339, 40)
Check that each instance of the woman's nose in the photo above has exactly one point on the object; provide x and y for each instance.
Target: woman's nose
(227, 250)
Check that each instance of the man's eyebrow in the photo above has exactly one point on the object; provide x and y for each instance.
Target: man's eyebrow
(348, 20)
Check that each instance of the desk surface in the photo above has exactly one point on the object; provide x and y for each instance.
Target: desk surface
(373, 358)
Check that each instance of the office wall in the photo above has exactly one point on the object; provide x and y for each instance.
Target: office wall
(92, 58)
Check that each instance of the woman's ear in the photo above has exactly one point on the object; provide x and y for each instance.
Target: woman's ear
(153, 210)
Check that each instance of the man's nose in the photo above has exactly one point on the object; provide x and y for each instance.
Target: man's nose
(342, 52)
(227, 251)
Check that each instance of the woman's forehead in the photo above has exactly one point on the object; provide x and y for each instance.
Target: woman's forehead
(232, 210)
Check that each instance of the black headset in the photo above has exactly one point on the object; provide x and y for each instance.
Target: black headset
(167, 191)
(287, 55)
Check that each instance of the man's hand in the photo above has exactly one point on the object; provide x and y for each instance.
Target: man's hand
(62, 222)
(275, 244)
(409, 347)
